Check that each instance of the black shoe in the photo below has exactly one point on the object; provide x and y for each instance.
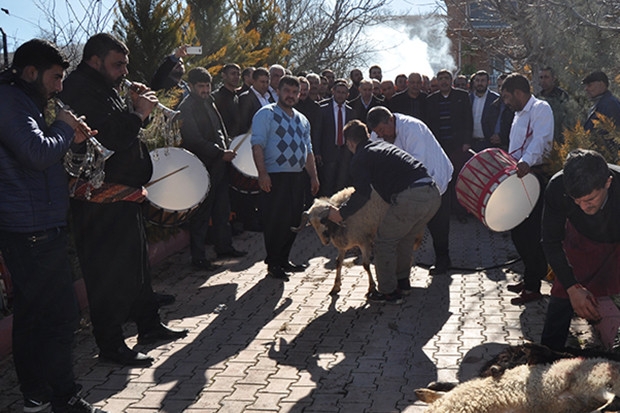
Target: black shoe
(78, 405)
(441, 267)
(404, 287)
(516, 288)
(277, 273)
(161, 333)
(233, 253)
(205, 264)
(126, 356)
(377, 297)
(163, 299)
(290, 267)
(35, 406)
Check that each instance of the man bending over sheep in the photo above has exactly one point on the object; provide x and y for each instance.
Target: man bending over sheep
(403, 182)
(581, 239)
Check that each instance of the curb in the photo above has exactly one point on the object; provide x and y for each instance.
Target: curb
(157, 253)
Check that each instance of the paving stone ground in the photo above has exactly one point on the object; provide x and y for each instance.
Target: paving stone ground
(260, 345)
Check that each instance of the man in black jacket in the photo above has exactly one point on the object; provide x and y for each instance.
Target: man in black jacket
(33, 228)
(110, 236)
(403, 182)
(581, 240)
(205, 136)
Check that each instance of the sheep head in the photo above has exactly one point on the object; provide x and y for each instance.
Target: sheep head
(317, 216)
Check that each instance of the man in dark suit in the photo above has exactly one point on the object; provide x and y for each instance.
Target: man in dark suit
(331, 154)
(484, 117)
(412, 100)
(450, 119)
(253, 99)
(365, 101)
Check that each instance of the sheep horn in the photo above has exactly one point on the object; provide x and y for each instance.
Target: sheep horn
(304, 221)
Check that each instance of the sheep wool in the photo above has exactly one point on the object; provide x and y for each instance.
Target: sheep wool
(573, 385)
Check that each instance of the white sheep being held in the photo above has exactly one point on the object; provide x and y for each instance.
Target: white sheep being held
(358, 230)
(574, 385)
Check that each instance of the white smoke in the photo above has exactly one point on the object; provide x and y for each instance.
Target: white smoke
(411, 44)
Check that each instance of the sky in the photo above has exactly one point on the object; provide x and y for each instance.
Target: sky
(403, 47)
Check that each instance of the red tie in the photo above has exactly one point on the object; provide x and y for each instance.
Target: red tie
(340, 138)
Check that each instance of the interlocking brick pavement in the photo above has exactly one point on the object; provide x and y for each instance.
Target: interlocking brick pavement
(260, 345)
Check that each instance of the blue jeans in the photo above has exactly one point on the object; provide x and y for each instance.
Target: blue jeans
(45, 313)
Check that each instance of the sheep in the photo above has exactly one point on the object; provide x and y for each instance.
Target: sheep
(574, 385)
(513, 356)
(358, 230)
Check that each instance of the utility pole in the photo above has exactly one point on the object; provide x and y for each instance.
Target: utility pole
(5, 52)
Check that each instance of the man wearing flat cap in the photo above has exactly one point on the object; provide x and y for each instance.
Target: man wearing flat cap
(596, 86)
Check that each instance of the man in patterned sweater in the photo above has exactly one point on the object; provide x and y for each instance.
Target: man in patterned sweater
(282, 147)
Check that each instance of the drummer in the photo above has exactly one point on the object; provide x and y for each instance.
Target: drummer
(204, 135)
(531, 137)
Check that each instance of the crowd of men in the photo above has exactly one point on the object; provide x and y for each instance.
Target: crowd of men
(309, 135)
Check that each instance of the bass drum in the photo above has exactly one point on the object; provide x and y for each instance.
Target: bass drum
(244, 175)
(180, 182)
(489, 188)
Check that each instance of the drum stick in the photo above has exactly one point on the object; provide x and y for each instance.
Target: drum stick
(237, 146)
(166, 176)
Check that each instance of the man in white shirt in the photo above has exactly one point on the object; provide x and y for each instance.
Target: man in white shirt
(414, 137)
(531, 137)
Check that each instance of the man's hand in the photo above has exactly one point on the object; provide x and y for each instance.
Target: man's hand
(583, 302)
(314, 185)
(495, 139)
(144, 100)
(79, 126)
(264, 182)
(466, 147)
(229, 155)
(181, 51)
(522, 169)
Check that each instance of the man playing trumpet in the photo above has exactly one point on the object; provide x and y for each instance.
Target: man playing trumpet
(110, 236)
(33, 238)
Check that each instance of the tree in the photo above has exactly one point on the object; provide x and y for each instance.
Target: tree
(327, 34)
(84, 19)
(151, 29)
(262, 17)
(212, 20)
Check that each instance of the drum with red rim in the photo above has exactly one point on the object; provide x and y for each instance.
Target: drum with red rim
(488, 187)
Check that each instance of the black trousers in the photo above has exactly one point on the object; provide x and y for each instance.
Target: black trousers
(557, 323)
(281, 209)
(45, 313)
(111, 245)
(526, 238)
(439, 227)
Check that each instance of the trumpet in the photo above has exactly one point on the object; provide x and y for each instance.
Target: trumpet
(169, 114)
(101, 150)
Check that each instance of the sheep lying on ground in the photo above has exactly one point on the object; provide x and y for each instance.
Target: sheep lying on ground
(358, 230)
(513, 356)
(510, 357)
(573, 385)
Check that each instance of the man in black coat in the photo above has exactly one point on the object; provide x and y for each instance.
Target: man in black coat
(110, 236)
